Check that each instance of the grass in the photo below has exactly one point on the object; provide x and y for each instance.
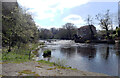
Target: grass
(38, 66)
(13, 57)
(46, 62)
(29, 72)
(18, 55)
(54, 64)
(26, 72)
(63, 67)
(51, 68)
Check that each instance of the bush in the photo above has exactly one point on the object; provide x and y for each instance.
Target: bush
(118, 32)
(47, 53)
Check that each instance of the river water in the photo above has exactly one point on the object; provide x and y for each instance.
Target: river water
(100, 58)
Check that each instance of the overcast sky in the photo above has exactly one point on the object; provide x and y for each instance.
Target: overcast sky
(55, 13)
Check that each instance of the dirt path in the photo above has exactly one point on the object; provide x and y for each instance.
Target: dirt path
(40, 69)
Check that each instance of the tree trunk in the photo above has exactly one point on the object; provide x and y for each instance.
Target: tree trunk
(107, 33)
(9, 46)
(29, 54)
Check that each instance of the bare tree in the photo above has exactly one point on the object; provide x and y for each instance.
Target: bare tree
(105, 22)
(89, 21)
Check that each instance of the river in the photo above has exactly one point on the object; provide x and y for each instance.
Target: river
(100, 58)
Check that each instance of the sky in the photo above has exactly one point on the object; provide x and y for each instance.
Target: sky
(56, 13)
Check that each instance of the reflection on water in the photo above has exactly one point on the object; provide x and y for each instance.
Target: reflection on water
(118, 53)
(107, 52)
(101, 58)
(68, 52)
(88, 52)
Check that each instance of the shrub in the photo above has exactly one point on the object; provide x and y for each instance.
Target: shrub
(47, 53)
(118, 32)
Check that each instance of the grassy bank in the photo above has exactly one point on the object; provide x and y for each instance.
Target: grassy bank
(22, 54)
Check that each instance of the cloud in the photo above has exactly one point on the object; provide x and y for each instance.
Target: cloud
(48, 8)
(38, 25)
(51, 20)
(75, 19)
(104, 0)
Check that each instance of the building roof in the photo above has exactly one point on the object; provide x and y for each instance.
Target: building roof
(85, 27)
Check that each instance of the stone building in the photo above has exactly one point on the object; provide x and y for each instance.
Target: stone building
(86, 32)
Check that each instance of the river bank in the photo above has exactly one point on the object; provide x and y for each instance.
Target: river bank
(34, 68)
(42, 68)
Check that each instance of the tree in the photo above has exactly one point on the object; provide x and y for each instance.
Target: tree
(89, 21)
(70, 30)
(54, 32)
(105, 22)
(18, 26)
(45, 34)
